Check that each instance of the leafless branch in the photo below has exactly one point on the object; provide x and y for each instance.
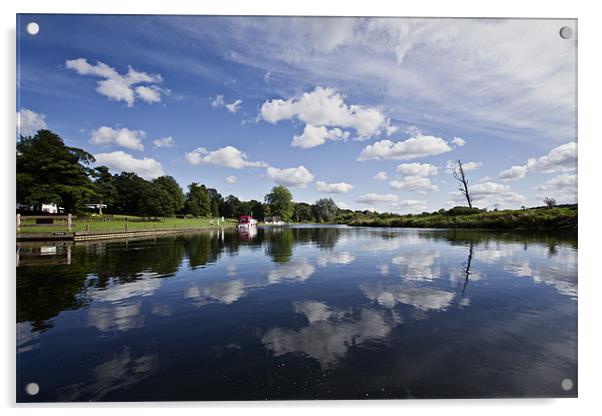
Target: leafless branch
(459, 175)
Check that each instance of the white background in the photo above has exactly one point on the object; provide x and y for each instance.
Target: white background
(590, 114)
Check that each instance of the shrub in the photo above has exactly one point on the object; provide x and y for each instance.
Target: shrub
(462, 211)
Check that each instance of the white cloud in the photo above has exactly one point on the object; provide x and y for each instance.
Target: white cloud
(218, 101)
(506, 78)
(229, 157)
(234, 106)
(562, 188)
(150, 94)
(381, 176)
(29, 122)
(490, 194)
(414, 177)
(131, 139)
(231, 179)
(458, 141)
(372, 198)
(412, 148)
(489, 188)
(164, 142)
(409, 204)
(414, 184)
(466, 166)
(119, 161)
(391, 130)
(560, 159)
(293, 177)
(333, 188)
(416, 169)
(120, 87)
(515, 172)
(316, 135)
(326, 107)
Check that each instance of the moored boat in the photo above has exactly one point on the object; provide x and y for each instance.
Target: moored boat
(246, 223)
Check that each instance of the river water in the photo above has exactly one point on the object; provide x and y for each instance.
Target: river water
(313, 312)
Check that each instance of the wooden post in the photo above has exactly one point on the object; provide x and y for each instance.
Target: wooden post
(69, 222)
(126, 225)
(87, 227)
(18, 222)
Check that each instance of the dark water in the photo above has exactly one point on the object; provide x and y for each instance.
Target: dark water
(299, 313)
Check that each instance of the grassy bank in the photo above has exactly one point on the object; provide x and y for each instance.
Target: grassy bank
(558, 218)
(118, 223)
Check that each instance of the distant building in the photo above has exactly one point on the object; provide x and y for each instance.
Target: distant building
(273, 221)
(52, 208)
(48, 208)
(98, 207)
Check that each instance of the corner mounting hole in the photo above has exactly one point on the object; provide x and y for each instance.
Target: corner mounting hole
(32, 389)
(566, 32)
(567, 384)
(33, 28)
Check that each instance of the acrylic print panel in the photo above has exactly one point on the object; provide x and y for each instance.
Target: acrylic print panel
(251, 208)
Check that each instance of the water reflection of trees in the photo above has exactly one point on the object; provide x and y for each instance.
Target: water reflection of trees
(463, 236)
(45, 291)
(279, 242)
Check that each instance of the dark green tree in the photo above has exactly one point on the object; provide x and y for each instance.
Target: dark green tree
(230, 207)
(131, 192)
(303, 212)
(104, 186)
(325, 210)
(205, 202)
(244, 208)
(216, 201)
(156, 201)
(50, 172)
(175, 201)
(258, 210)
(281, 203)
(197, 201)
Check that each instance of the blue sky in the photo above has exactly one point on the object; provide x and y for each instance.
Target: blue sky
(366, 111)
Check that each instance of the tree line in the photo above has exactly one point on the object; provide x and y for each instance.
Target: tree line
(48, 171)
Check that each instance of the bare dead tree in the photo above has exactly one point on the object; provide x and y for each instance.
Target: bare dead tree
(461, 178)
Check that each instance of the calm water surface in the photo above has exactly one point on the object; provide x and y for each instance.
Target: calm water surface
(299, 313)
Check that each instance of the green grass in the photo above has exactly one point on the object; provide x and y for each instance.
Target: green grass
(559, 218)
(118, 222)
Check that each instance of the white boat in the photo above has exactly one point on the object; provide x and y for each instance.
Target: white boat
(246, 223)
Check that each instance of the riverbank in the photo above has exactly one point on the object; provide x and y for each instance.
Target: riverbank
(558, 218)
(115, 223)
(95, 228)
(109, 235)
